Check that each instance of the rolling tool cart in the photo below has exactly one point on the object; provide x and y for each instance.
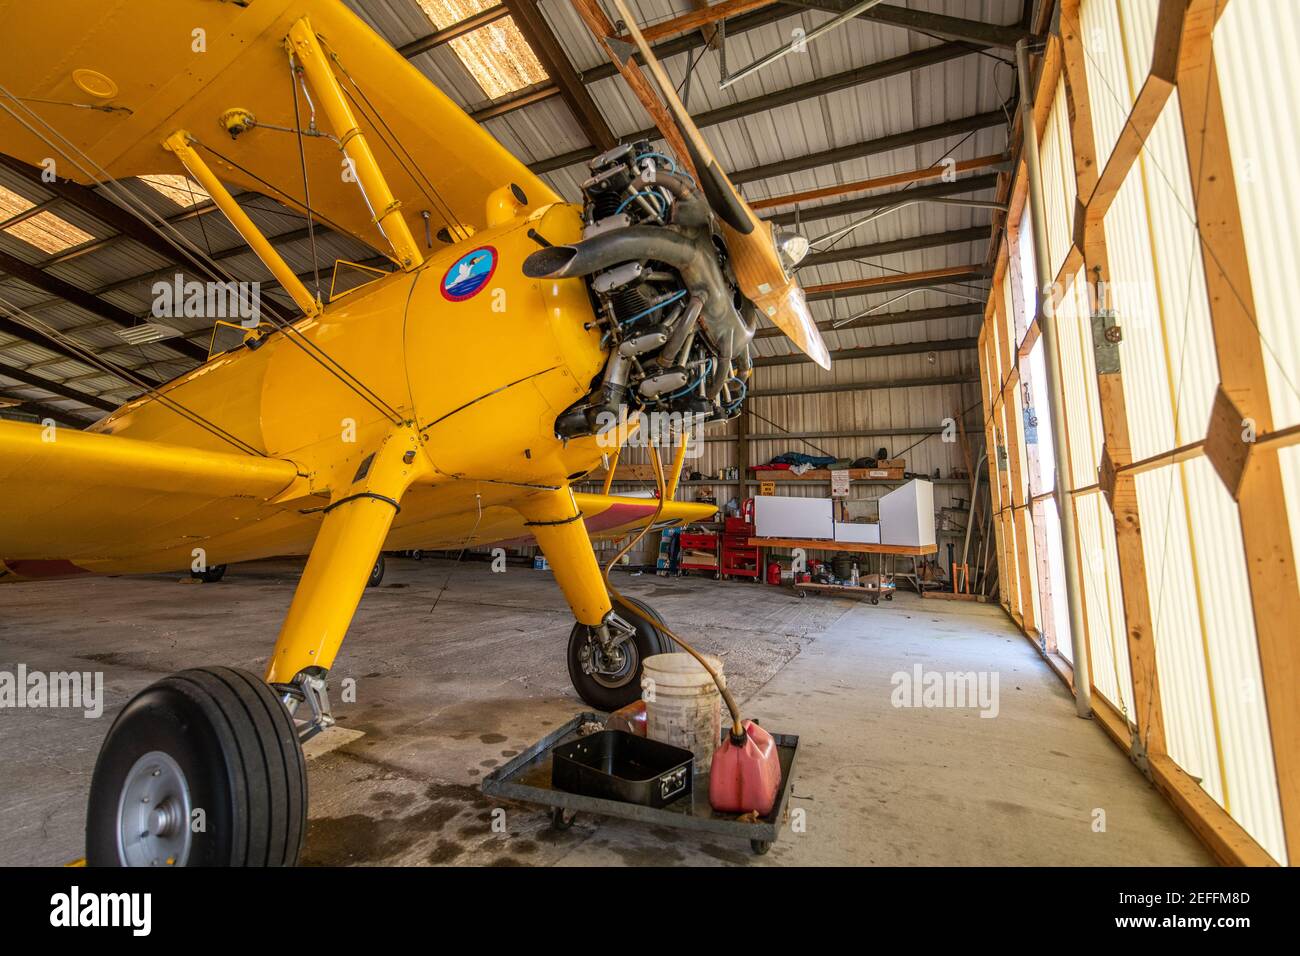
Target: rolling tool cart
(662, 798)
(740, 559)
(698, 551)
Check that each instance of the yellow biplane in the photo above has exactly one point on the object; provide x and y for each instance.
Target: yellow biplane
(452, 401)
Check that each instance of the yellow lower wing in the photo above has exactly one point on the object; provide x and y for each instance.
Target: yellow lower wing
(80, 501)
(88, 498)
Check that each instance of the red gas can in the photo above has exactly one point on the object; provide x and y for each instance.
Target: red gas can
(745, 777)
(774, 574)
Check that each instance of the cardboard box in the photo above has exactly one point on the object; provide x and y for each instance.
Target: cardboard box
(891, 463)
(907, 514)
(777, 516)
(857, 533)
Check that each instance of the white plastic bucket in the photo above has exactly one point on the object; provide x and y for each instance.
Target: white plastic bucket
(683, 706)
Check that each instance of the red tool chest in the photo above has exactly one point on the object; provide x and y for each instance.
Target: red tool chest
(739, 559)
(698, 551)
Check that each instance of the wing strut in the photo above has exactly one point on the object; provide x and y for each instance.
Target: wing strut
(179, 143)
(352, 143)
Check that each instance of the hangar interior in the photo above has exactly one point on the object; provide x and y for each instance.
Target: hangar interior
(1076, 341)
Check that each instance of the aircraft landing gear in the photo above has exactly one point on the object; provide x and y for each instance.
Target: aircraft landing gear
(210, 575)
(202, 768)
(609, 676)
(376, 573)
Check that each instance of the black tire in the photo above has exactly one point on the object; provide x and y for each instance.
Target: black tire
(417, 554)
(376, 573)
(235, 746)
(562, 819)
(210, 575)
(624, 688)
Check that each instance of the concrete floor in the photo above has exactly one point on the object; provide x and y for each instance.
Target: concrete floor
(457, 669)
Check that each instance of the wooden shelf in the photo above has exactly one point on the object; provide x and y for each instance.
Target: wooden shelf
(791, 481)
(861, 481)
(819, 544)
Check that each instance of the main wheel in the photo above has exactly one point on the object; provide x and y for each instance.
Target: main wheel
(210, 575)
(608, 682)
(202, 768)
(376, 573)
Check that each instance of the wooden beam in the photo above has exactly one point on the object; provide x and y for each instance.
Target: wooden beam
(1266, 535)
(1146, 109)
(873, 147)
(515, 101)
(891, 247)
(990, 443)
(696, 19)
(924, 382)
(598, 24)
(932, 24)
(840, 433)
(126, 222)
(690, 42)
(873, 351)
(458, 29)
(896, 282)
(895, 66)
(877, 201)
(880, 182)
(537, 32)
(1018, 496)
(902, 317)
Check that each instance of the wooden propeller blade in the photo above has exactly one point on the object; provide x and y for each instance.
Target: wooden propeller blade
(756, 260)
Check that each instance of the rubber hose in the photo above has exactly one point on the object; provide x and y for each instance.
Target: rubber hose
(737, 728)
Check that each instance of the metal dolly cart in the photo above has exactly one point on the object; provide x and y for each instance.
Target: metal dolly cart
(527, 777)
(883, 550)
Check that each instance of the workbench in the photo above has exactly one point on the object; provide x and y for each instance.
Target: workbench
(912, 551)
(857, 547)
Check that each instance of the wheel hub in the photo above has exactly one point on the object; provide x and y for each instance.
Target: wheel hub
(609, 667)
(153, 813)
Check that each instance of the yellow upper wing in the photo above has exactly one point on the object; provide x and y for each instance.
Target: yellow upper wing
(151, 67)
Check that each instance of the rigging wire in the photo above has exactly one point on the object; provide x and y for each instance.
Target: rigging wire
(948, 152)
(132, 204)
(127, 375)
(302, 162)
(446, 582)
(414, 170)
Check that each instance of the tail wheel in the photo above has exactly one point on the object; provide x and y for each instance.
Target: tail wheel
(610, 681)
(210, 575)
(376, 573)
(202, 768)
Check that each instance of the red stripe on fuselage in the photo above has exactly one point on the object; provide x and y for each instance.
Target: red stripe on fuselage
(41, 568)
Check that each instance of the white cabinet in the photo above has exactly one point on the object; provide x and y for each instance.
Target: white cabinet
(781, 517)
(907, 514)
(857, 532)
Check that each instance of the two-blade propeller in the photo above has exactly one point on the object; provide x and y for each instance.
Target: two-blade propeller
(761, 258)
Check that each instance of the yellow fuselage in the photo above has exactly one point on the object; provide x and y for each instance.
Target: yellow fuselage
(482, 379)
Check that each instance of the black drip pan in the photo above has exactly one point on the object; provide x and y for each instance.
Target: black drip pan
(621, 766)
